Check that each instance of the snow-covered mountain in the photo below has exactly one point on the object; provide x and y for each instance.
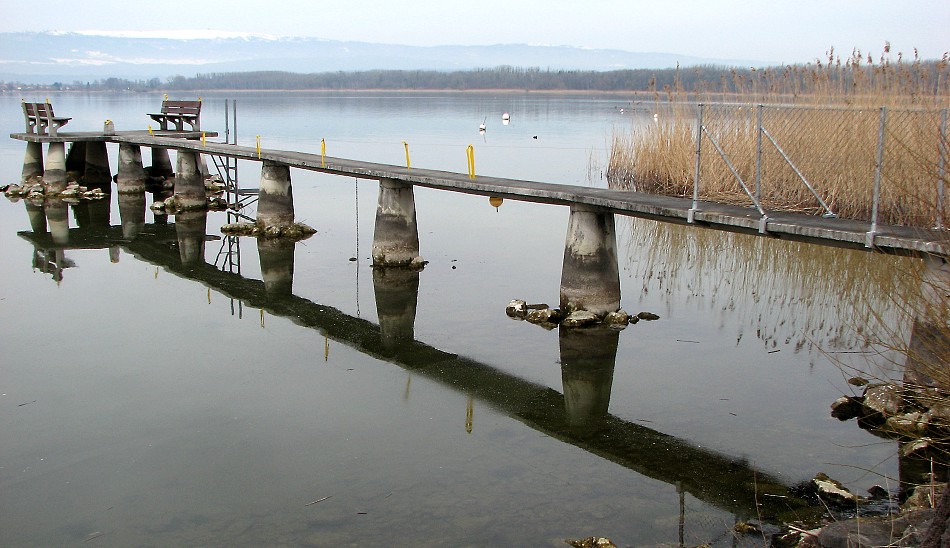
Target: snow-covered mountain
(60, 56)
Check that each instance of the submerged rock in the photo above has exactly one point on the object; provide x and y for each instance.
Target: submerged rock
(544, 316)
(617, 319)
(846, 408)
(649, 316)
(592, 542)
(885, 399)
(832, 492)
(517, 309)
(580, 318)
(296, 231)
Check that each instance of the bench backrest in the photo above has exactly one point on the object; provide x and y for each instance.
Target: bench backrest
(185, 108)
(39, 110)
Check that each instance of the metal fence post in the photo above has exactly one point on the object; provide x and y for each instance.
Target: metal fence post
(941, 166)
(758, 154)
(869, 240)
(691, 214)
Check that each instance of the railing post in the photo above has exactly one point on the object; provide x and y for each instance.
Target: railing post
(691, 214)
(879, 165)
(941, 165)
(758, 153)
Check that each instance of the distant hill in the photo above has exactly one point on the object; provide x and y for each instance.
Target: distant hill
(48, 57)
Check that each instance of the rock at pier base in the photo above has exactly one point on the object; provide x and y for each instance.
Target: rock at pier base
(296, 231)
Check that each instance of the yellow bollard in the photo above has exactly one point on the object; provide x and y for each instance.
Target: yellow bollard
(203, 138)
(150, 130)
(470, 152)
(258, 147)
(323, 153)
(408, 164)
(166, 96)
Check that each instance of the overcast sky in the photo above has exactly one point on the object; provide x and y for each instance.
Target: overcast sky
(781, 32)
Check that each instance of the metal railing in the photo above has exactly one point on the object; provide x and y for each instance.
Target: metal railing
(882, 165)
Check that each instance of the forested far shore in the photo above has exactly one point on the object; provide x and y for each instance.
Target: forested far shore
(927, 78)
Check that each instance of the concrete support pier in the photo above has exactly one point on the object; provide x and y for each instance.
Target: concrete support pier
(54, 176)
(397, 293)
(924, 366)
(57, 215)
(76, 161)
(96, 171)
(132, 214)
(32, 161)
(588, 357)
(277, 265)
(161, 163)
(396, 236)
(131, 177)
(590, 277)
(275, 205)
(190, 228)
(189, 184)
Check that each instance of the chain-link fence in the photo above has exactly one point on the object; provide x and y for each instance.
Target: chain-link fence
(881, 165)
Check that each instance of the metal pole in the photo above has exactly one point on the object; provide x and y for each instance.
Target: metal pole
(869, 242)
(691, 214)
(227, 126)
(941, 166)
(758, 154)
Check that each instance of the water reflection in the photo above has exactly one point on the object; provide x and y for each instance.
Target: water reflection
(578, 416)
(780, 293)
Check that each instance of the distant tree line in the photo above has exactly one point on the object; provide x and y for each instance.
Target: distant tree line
(851, 75)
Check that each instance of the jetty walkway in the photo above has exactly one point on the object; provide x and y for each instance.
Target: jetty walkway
(590, 279)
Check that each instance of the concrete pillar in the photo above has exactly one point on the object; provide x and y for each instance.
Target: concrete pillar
(588, 357)
(396, 236)
(96, 173)
(54, 176)
(924, 366)
(275, 204)
(93, 216)
(161, 163)
(76, 160)
(131, 177)
(590, 277)
(397, 292)
(33, 161)
(190, 228)
(203, 162)
(189, 185)
(37, 217)
(132, 214)
(57, 214)
(277, 265)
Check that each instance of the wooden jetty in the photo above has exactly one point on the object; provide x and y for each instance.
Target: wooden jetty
(590, 276)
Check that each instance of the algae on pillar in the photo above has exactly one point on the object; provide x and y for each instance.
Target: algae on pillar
(54, 177)
(32, 161)
(397, 292)
(275, 205)
(588, 357)
(96, 171)
(189, 184)
(161, 163)
(590, 276)
(131, 177)
(277, 265)
(396, 236)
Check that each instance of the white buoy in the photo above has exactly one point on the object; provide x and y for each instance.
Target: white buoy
(505, 118)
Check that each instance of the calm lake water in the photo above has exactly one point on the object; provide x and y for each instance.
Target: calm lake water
(154, 403)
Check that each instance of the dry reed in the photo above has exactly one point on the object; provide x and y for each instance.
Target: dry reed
(826, 117)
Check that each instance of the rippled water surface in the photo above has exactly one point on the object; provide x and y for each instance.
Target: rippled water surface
(151, 401)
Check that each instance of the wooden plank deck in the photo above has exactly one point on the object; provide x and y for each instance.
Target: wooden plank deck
(792, 226)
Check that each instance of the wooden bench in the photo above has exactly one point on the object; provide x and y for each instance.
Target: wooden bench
(179, 112)
(39, 117)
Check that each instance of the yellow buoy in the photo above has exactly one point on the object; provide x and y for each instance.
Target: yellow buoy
(495, 201)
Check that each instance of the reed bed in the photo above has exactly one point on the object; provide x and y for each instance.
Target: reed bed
(825, 117)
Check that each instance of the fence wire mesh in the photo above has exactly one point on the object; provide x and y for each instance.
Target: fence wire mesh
(775, 150)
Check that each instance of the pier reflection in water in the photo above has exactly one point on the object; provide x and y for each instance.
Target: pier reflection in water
(578, 416)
